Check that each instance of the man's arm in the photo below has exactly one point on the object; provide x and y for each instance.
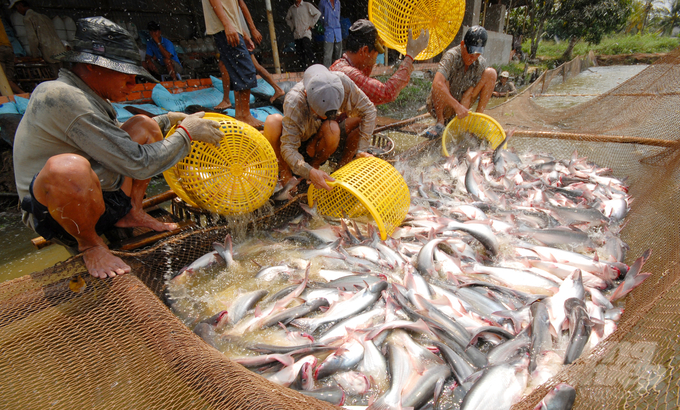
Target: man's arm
(289, 18)
(360, 106)
(229, 30)
(376, 91)
(441, 97)
(314, 14)
(254, 32)
(116, 151)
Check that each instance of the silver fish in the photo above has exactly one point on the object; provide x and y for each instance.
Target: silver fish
(243, 304)
(580, 327)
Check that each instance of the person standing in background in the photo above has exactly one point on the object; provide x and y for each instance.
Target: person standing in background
(332, 35)
(222, 22)
(42, 37)
(7, 60)
(301, 17)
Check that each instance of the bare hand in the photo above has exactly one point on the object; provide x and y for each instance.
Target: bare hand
(156, 36)
(257, 37)
(416, 46)
(319, 178)
(461, 111)
(232, 36)
(364, 155)
(249, 43)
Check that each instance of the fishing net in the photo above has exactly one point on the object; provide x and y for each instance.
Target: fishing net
(70, 341)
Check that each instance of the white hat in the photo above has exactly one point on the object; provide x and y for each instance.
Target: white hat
(12, 3)
(505, 74)
(324, 89)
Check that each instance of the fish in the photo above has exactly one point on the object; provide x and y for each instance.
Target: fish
(560, 397)
(498, 389)
(580, 327)
(283, 193)
(633, 277)
(332, 394)
(346, 357)
(287, 315)
(341, 310)
(352, 382)
(287, 375)
(243, 304)
(541, 341)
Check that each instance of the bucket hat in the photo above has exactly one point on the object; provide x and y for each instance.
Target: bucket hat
(101, 42)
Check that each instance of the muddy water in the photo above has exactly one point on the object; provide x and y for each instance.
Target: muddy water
(19, 257)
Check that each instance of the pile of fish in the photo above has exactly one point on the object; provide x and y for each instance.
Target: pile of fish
(506, 268)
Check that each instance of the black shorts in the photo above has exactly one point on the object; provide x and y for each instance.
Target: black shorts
(237, 61)
(337, 155)
(117, 206)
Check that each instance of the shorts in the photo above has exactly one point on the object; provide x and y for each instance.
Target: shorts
(337, 155)
(237, 61)
(117, 204)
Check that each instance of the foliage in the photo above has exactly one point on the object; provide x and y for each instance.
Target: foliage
(612, 45)
(403, 106)
(666, 18)
(587, 19)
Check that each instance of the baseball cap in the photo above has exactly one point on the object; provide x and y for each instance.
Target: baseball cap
(505, 74)
(475, 39)
(324, 89)
(101, 42)
(364, 33)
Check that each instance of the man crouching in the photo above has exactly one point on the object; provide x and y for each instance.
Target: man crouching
(78, 171)
(325, 117)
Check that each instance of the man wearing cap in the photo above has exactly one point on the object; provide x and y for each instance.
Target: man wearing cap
(161, 57)
(325, 117)
(41, 34)
(504, 87)
(363, 47)
(462, 77)
(301, 17)
(78, 171)
(223, 23)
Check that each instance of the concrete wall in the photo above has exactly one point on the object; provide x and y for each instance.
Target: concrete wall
(497, 50)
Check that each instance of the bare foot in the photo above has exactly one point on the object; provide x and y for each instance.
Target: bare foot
(223, 105)
(101, 263)
(138, 218)
(278, 93)
(252, 121)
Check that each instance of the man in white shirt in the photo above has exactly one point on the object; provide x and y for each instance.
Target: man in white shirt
(301, 17)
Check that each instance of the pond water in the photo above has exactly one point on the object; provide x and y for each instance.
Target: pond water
(19, 257)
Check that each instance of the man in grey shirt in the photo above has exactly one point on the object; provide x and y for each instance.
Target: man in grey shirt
(462, 77)
(78, 171)
(325, 117)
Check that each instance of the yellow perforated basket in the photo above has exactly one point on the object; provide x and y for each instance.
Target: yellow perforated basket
(235, 178)
(393, 18)
(365, 186)
(480, 125)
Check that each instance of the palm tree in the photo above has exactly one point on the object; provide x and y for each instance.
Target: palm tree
(670, 17)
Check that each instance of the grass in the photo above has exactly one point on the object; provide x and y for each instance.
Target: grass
(610, 45)
(410, 99)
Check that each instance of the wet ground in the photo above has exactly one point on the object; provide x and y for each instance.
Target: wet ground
(19, 257)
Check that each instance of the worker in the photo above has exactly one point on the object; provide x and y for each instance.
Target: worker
(78, 171)
(325, 117)
(222, 22)
(161, 57)
(462, 78)
(43, 39)
(504, 87)
(363, 47)
(301, 17)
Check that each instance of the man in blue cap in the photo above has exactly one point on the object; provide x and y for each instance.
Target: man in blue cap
(78, 171)
(462, 78)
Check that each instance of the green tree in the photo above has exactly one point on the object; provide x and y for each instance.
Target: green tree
(587, 20)
(669, 17)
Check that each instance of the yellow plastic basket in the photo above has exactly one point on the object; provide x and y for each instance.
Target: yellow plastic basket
(235, 178)
(365, 186)
(480, 125)
(393, 18)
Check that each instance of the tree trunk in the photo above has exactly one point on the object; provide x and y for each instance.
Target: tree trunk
(567, 53)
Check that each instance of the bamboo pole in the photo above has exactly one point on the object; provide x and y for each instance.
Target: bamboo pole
(5, 88)
(620, 139)
(272, 36)
(401, 123)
